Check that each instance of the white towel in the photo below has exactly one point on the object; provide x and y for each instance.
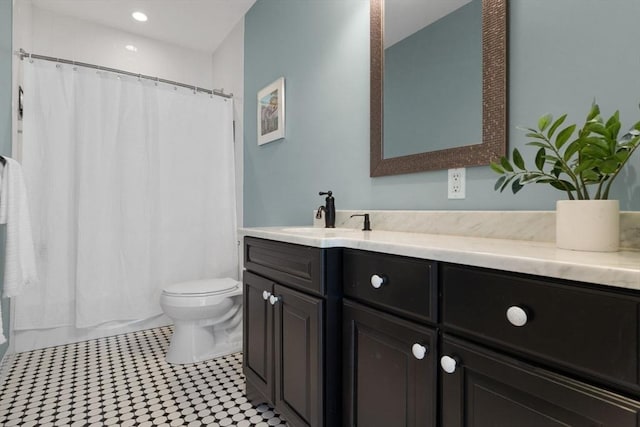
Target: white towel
(19, 263)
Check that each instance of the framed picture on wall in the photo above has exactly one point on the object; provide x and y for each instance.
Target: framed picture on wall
(271, 112)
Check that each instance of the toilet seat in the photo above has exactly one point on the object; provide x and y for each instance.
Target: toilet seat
(201, 288)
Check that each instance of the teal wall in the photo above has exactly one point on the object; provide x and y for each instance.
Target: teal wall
(447, 112)
(563, 53)
(5, 130)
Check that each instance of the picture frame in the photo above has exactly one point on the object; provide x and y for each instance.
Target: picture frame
(271, 112)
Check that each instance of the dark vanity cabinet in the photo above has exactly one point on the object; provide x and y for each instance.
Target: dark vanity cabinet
(495, 349)
(524, 351)
(345, 337)
(389, 340)
(291, 313)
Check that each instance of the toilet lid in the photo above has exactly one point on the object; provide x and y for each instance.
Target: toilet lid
(201, 287)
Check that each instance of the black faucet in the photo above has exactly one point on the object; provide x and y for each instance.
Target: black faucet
(367, 223)
(329, 210)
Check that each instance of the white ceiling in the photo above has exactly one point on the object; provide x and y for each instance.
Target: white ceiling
(196, 24)
(404, 17)
(204, 24)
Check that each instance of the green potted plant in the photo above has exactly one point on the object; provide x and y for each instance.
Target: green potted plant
(583, 167)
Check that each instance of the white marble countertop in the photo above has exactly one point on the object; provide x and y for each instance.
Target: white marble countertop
(619, 269)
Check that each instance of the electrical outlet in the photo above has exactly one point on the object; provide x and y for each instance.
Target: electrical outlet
(456, 183)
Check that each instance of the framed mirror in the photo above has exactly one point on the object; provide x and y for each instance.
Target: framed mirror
(462, 149)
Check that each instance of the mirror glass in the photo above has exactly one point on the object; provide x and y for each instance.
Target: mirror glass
(438, 84)
(432, 84)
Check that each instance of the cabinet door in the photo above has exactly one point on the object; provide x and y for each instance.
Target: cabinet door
(258, 337)
(299, 358)
(384, 383)
(487, 389)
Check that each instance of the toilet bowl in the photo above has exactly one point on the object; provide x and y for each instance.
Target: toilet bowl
(207, 319)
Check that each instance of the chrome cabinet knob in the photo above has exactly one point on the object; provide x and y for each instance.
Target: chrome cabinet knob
(419, 351)
(517, 316)
(266, 295)
(448, 364)
(377, 281)
(274, 299)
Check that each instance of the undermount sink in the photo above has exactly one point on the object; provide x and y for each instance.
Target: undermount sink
(316, 230)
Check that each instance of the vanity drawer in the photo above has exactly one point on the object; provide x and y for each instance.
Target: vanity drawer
(581, 329)
(409, 287)
(294, 265)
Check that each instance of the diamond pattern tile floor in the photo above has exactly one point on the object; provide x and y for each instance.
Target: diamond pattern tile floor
(124, 381)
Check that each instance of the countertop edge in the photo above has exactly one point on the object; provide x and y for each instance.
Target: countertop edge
(616, 269)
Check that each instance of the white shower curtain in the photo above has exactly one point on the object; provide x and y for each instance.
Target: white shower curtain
(131, 186)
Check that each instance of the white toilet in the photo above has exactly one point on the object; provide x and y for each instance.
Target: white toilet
(207, 319)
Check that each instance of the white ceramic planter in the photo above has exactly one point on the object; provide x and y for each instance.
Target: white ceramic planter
(588, 225)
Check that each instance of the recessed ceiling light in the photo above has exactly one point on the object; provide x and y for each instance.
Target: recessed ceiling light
(139, 16)
(131, 48)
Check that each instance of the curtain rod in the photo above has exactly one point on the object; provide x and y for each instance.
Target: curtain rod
(219, 92)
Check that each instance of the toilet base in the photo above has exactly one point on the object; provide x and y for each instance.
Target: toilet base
(191, 344)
